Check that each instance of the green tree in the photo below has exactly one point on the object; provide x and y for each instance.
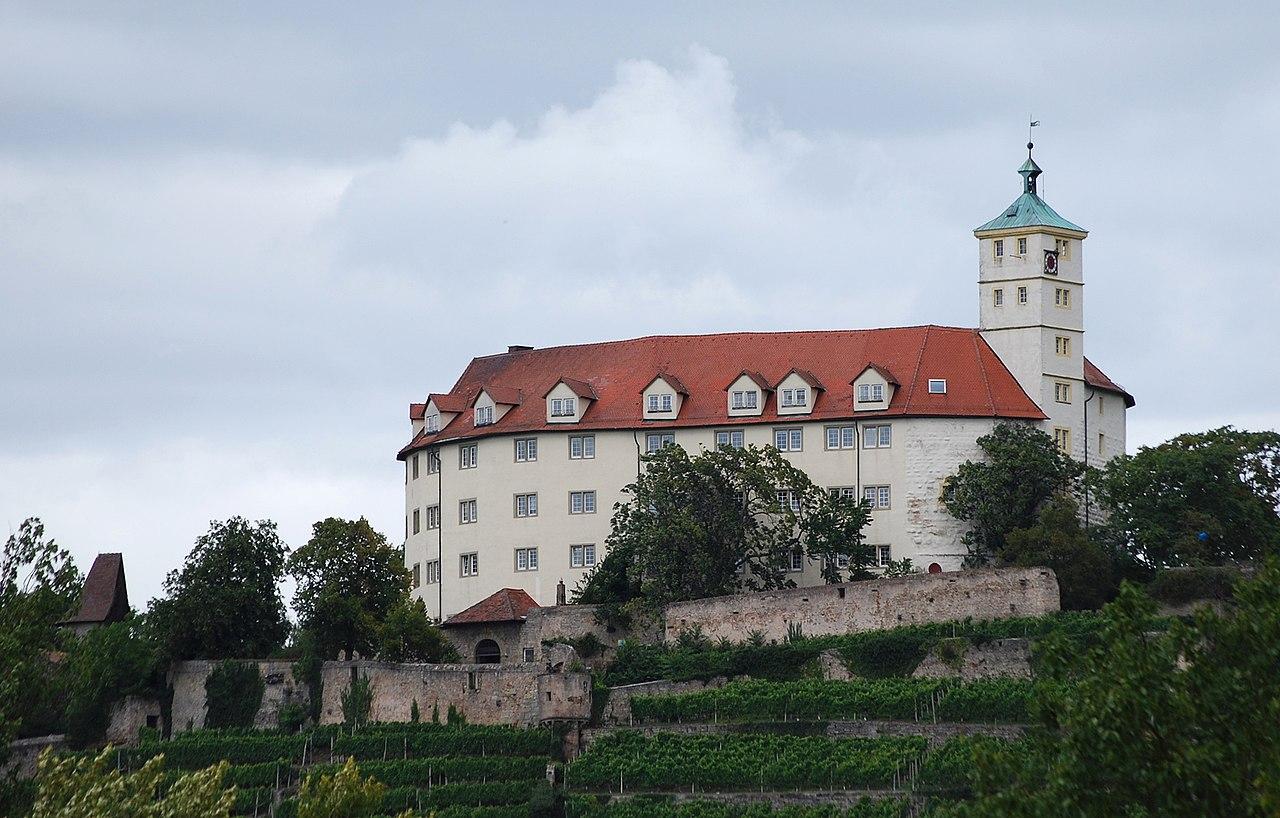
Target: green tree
(349, 579)
(1179, 724)
(344, 794)
(225, 601)
(233, 692)
(1022, 470)
(720, 522)
(409, 635)
(101, 668)
(1057, 540)
(92, 787)
(1198, 499)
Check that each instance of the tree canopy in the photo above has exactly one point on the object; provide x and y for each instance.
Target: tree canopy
(225, 601)
(1198, 499)
(79, 786)
(408, 635)
(720, 522)
(349, 578)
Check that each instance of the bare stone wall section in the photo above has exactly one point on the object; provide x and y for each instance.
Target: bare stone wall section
(871, 605)
(1001, 658)
(189, 705)
(618, 709)
(129, 716)
(24, 753)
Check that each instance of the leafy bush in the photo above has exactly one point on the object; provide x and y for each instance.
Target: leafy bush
(1177, 586)
(669, 761)
(291, 717)
(233, 693)
(357, 702)
(343, 794)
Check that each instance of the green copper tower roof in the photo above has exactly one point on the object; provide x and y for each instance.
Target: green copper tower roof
(1029, 210)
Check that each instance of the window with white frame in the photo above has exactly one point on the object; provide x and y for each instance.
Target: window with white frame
(526, 559)
(433, 461)
(417, 575)
(937, 386)
(1063, 246)
(1062, 345)
(1062, 437)
(582, 556)
(582, 447)
(1061, 297)
(526, 449)
(732, 438)
(563, 407)
(997, 248)
(1022, 247)
(1062, 392)
(884, 555)
(467, 512)
(529, 656)
(432, 572)
(788, 499)
(795, 397)
(433, 517)
(1022, 295)
(433, 423)
(848, 492)
(870, 392)
(527, 505)
(467, 456)
(842, 561)
(656, 440)
(796, 563)
(413, 467)
(484, 415)
(746, 399)
(417, 521)
(661, 402)
(877, 496)
(841, 437)
(582, 502)
(877, 437)
(469, 564)
(997, 297)
(788, 440)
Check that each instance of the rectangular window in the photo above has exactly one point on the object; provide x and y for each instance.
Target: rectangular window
(870, 393)
(746, 400)
(414, 461)
(997, 248)
(1101, 398)
(526, 449)
(582, 447)
(788, 499)
(1061, 297)
(582, 502)
(661, 403)
(417, 521)
(1062, 437)
(997, 297)
(877, 496)
(433, 461)
(563, 407)
(526, 505)
(484, 415)
(795, 397)
(582, 556)
(730, 437)
(877, 437)
(417, 575)
(1062, 345)
(937, 386)
(433, 423)
(1102, 443)
(528, 656)
(884, 555)
(841, 437)
(655, 441)
(1062, 392)
(467, 456)
(797, 561)
(433, 572)
(526, 559)
(848, 492)
(467, 512)
(1022, 295)
(1022, 247)
(469, 564)
(788, 440)
(1063, 247)
(433, 517)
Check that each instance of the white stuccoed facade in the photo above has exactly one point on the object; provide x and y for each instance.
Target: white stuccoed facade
(1023, 332)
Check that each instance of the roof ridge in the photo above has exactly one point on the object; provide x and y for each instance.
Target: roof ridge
(982, 367)
(915, 373)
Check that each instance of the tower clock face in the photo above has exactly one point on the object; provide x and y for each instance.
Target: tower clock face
(1051, 262)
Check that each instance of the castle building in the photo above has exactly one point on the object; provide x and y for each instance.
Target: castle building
(511, 475)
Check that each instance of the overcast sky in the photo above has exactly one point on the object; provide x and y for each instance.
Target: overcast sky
(237, 239)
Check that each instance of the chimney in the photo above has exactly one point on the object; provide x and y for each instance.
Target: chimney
(517, 348)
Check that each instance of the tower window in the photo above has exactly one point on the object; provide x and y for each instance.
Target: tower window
(1062, 345)
(1062, 437)
(1022, 295)
(997, 248)
(1063, 247)
(1062, 392)
(1022, 247)
(1061, 297)
(997, 297)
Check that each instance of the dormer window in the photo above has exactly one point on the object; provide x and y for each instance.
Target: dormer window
(746, 399)
(937, 386)
(564, 407)
(433, 423)
(661, 402)
(484, 415)
(795, 397)
(870, 392)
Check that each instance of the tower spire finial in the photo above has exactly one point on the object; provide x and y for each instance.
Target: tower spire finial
(1030, 171)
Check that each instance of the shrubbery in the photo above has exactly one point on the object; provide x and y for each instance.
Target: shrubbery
(233, 693)
(1177, 586)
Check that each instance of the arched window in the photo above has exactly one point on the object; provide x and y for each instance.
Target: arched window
(935, 568)
(488, 652)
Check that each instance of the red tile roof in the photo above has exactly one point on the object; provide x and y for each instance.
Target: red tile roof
(104, 598)
(1098, 380)
(672, 381)
(505, 395)
(759, 380)
(580, 388)
(507, 605)
(978, 384)
(881, 371)
(417, 411)
(452, 403)
(805, 375)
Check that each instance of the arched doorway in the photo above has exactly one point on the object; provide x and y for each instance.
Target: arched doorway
(488, 652)
(935, 568)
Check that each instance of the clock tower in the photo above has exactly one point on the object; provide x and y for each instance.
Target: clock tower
(1031, 305)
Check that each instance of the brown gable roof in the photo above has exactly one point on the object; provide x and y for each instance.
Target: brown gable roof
(759, 380)
(104, 598)
(881, 371)
(978, 383)
(452, 403)
(580, 388)
(505, 395)
(507, 605)
(672, 381)
(417, 411)
(1097, 379)
(805, 375)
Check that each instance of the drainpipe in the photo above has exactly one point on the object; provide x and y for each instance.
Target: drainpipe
(635, 437)
(1086, 460)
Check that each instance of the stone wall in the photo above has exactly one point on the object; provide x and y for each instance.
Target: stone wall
(189, 705)
(618, 708)
(520, 694)
(956, 658)
(129, 716)
(871, 605)
(25, 752)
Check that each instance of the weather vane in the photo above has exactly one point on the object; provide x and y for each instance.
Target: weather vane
(1032, 123)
